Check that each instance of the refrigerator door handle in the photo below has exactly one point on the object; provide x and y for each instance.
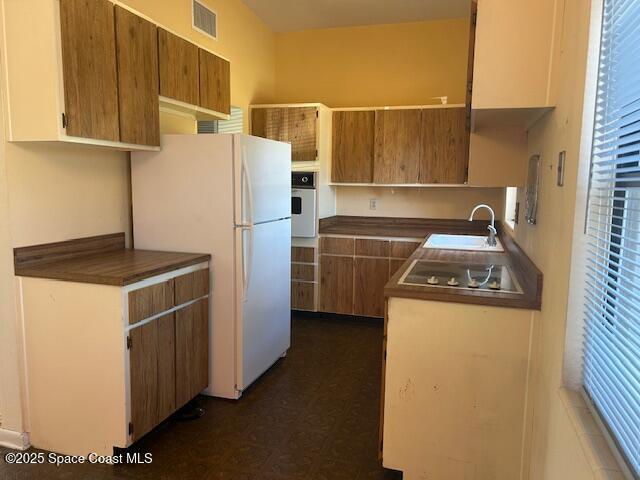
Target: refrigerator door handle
(247, 225)
(247, 188)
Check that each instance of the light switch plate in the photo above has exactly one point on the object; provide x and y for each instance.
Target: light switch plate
(561, 159)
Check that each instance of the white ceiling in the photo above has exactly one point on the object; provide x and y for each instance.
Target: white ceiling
(291, 15)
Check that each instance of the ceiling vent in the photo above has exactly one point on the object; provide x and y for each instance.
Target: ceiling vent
(205, 20)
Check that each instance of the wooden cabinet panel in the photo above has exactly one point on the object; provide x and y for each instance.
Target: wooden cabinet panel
(445, 146)
(191, 286)
(402, 249)
(137, 54)
(303, 254)
(179, 68)
(302, 296)
(337, 245)
(152, 374)
(336, 284)
(398, 143)
(372, 248)
(215, 83)
(370, 277)
(151, 300)
(192, 350)
(296, 125)
(303, 272)
(353, 140)
(89, 69)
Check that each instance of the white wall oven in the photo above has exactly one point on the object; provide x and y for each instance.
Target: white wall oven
(303, 204)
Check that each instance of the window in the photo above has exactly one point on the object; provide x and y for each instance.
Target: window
(233, 125)
(611, 372)
(511, 206)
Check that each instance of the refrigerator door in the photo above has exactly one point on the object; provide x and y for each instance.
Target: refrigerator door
(264, 305)
(262, 170)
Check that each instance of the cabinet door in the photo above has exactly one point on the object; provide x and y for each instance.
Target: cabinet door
(89, 69)
(179, 70)
(152, 374)
(352, 159)
(192, 351)
(445, 145)
(398, 142)
(295, 125)
(336, 284)
(370, 277)
(215, 83)
(137, 53)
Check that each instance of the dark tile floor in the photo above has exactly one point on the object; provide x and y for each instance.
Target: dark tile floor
(314, 415)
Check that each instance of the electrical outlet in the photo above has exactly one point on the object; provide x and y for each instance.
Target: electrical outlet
(373, 204)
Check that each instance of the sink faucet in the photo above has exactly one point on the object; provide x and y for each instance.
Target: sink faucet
(491, 239)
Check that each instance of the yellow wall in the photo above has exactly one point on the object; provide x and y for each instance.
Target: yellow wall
(402, 64)
(429, 202)
(557, 454)
(58, 192)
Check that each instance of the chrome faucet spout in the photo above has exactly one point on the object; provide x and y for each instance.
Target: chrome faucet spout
(491, 239)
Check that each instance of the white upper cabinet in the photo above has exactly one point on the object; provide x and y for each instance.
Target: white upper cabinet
(513, 54)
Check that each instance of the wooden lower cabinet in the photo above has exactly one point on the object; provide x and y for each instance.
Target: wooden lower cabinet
(336, 284)
(355, 270)
(192, 351)
(152, 373)
(370, 277)
(302, 296)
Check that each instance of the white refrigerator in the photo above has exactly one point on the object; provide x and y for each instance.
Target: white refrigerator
(230, 196)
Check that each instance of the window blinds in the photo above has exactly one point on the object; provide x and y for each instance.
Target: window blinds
(612, 294)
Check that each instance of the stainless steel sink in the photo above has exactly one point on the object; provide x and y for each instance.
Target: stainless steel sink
(476, 243)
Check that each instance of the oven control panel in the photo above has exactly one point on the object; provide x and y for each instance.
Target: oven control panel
(303, 179)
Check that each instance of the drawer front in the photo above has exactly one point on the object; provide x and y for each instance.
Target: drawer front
(372, 248)
(191, 286)
(304, 272)
(337, 245)
(403, 249)
(302, 296)
(151, 300)
(303, 254)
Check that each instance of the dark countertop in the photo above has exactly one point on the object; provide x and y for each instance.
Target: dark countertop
(101, 260)
(397, 227)
(527, 274)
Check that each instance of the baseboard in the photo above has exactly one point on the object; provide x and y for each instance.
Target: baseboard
(15, 440)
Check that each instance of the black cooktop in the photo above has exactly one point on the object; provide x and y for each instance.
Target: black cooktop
(484, 277)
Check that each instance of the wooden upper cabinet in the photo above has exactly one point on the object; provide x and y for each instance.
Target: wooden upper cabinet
(179, 68)
(137, 54)
(89, 69)
(353, 140)
(398, 144)
(295, 125)
(445, 146)
(215, 83)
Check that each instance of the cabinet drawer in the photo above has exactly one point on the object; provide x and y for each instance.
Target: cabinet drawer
(302, 296)
(191, 286)
(303, 272)
(372, 248)
(151, 300)
(303, 254)
(337, 245)
(403, 249)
